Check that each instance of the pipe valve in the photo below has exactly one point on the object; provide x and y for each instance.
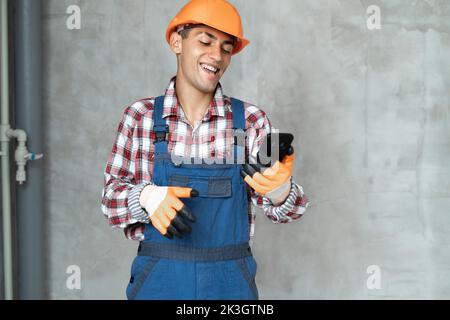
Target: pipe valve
(22, 155)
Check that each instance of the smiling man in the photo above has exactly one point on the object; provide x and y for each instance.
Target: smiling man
(194, 221)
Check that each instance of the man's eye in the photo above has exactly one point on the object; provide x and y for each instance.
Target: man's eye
(205, 43)
(228, 50)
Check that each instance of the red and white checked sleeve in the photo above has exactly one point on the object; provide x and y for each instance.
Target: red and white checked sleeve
(120, 195)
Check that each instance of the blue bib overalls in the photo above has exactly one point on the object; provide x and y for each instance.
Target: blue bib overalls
(214, 261)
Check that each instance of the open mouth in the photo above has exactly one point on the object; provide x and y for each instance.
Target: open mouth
(209, 68)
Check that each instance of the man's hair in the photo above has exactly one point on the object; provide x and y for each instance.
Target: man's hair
(184, 33)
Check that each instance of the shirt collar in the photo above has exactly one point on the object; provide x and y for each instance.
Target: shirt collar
(220, 104)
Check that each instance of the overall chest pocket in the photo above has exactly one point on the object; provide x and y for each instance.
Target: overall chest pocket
(211, 187)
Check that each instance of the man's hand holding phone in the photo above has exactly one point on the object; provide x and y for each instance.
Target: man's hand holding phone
(273, 181)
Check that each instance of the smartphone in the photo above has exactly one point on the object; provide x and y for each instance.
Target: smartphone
(284, 147)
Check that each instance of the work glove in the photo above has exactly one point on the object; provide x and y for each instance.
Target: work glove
(167, 213)
(273, 182)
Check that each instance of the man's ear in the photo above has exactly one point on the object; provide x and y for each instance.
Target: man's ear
(175, 42)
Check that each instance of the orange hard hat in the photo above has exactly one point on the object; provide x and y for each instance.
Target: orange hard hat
(217, 14)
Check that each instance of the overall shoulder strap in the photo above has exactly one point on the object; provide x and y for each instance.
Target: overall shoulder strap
(237, 107)
(159, 126)
(238, 111)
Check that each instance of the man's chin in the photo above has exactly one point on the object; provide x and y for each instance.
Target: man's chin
(208, 88)
(208, 84)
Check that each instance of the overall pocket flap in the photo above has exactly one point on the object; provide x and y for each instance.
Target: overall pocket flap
(212, 187)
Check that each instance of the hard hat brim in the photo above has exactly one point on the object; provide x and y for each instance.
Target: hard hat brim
(240, 44)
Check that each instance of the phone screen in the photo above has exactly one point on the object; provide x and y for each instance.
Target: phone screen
(275, 147)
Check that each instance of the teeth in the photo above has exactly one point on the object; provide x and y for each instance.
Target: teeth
(208, 67)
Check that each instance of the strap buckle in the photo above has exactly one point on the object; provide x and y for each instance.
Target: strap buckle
(161, 132)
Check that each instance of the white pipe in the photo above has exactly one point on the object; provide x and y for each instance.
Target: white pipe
(6, 188)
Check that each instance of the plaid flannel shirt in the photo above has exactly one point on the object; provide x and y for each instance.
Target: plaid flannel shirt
(130, 164)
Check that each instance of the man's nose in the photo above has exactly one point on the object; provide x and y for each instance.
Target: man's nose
(215, 52)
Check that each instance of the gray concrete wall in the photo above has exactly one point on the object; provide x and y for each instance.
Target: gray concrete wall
(369, 109)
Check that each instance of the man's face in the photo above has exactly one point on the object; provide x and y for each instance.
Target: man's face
(205, 55)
